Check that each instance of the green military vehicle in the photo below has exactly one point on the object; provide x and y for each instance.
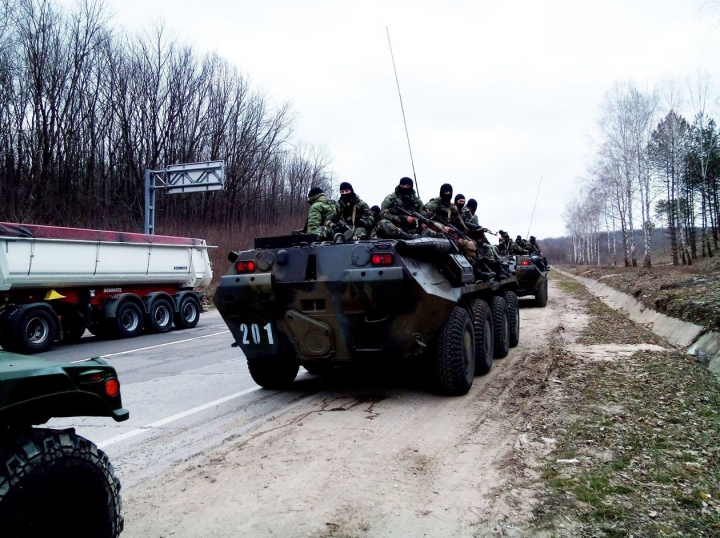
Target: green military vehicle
(293, 301)
(531, 275)
(54, 482)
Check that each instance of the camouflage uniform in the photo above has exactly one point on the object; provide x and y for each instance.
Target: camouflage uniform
(323, 214)
(392, 221)
(484, 247)
(357, 215)
(511, 247)
(469, 217)
(450, 213)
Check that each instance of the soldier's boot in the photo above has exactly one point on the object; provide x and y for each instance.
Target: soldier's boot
(481, 271)
(498, 269)
(406, 236)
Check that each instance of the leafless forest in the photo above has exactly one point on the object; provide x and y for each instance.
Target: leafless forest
(85, 108)
(652, 168)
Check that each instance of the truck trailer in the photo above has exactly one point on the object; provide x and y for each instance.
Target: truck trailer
(57, 282)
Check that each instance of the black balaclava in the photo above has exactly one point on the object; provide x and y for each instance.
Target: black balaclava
(404, 192)
(349, 196)
(518, 239)
(314, 191)
(375, 210)
(443, 190)
(472, 205)
(460, 205)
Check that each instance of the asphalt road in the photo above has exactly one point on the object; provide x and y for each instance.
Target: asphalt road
(187, 391)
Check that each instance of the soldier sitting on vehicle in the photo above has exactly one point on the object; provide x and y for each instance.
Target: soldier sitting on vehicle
(508, 246)
(354, 212)
(393, 223)
(323, 215)
(375, 210)
(534, 248)
(447, 211)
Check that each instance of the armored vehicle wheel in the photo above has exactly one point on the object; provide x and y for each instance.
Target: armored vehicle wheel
(36, 331)
(513, 317)
(188, 314)
(161, 315)
(501, 329)
(541, 294)
(272, 373)
(482, 323)
(52, 480)
(128, 321)
(453, 354)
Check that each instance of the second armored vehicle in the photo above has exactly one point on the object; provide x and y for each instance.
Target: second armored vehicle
(293, 301)
(532, 278)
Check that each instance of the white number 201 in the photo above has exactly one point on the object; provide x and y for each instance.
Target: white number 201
(255, 333)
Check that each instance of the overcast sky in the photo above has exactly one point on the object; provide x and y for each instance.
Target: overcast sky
(497, 93)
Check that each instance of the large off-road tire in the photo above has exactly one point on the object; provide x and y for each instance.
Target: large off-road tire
(188, 313)
(161, 315)
(128, 321)
(453, 354)
(54, 482)
(272, 373)
(513, 318)
(482, 325)
(501, 327)
(541, 294)
(36, 331)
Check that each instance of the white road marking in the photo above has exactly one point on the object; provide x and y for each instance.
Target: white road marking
(178, 416)
(155, 346)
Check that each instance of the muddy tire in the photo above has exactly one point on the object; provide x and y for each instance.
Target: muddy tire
(52, 480)
(513, 318)
(453, 354)
(501, 327)
(483, 328)
(272, 373)
(128, 321)
(161, 315)
(188, 314)
(36, 331)
(541, 294)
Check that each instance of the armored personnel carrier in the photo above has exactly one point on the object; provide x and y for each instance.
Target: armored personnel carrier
(55, 482)
(292, 301)
(531, 275)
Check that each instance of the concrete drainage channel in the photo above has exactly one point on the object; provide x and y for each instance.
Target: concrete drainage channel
(703, 344)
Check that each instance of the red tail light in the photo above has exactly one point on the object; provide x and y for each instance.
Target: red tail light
(112, 387)
(245, 267)
(525, 262)
(382, 259)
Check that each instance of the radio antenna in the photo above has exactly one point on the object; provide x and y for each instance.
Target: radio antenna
(407, 135)
(534, 206)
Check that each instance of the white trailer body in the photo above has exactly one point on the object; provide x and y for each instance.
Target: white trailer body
(64, 257)
(56, 282)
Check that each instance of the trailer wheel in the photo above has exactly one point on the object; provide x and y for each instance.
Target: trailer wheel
(513, 317)
(73, 327)
(272, 373)
(51, 480)
(453, 357)
(482, 324)
(128, 321)
(161, 315)
(501, 329)
(188, 314)
(36, 331)
(541, 294)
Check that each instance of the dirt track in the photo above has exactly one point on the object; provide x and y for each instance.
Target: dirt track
(374, 458)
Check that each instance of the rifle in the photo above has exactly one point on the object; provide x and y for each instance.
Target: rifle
(428, 222)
